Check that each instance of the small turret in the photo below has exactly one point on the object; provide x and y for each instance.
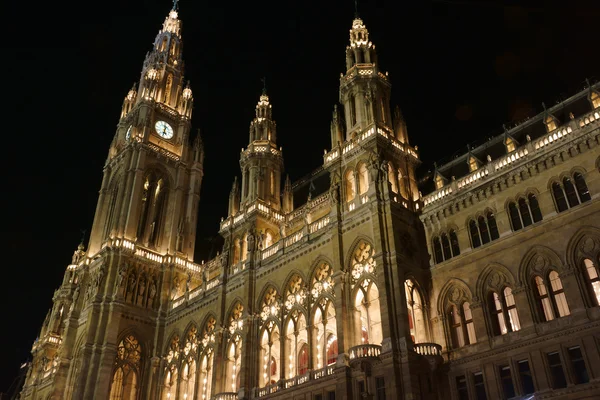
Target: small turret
(337, 128)
(129, 101)
(288, 196)
(400, 126)
(234, 198)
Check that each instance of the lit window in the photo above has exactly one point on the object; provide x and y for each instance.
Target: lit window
(550, 123)
(503, 310)
(593, 279)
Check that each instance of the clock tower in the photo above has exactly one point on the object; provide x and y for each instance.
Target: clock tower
(111, 307)
(152, 177)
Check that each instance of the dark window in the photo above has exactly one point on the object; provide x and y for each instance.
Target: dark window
(318, 397)
(361, 388)
(570, 192)
(330, 395)
(556, 371)
(526, 377)
(582, 189)
(525, 215)
(446, 247)
(559, 197)
(479, 386)
(380, 388)
(506, 381)
(454, 243)
(474, 234)
(437, 250)
(535, 208)
(578, 365)
(461, 387)
(352, 110)
(515, 219)
(492, 225)
(485, 233)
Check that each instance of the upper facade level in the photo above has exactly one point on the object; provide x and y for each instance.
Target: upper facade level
(515, 148)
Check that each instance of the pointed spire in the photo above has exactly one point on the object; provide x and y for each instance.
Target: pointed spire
(234, 197)
(400, 126)
(356, 9)
(288, 199)
(175, 5)
(264, 81)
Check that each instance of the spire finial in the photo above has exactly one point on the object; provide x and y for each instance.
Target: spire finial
(264, 81)
(175, 5)
(355, 8)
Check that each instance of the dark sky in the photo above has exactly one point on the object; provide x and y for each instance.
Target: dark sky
(459, 69)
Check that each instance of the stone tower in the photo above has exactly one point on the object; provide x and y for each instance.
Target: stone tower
(143, 233)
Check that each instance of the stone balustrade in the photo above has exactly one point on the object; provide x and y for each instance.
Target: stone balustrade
(364, 351)
(428, 349)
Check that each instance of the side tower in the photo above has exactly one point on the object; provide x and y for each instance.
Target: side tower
(100, 337)
(376, 206)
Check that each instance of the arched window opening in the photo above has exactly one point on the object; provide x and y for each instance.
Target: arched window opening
(244, 252)
(233, 364)
(446, 247)
(454, 243)
(511, 307)
(515, 219)
(154, 196)
(558, 295)
(503, 311)
(303, 360)
(352, 106)
(483, 229)
(525, 214)
(559, 197)
(474, 231)
(595, 99)
(544, 305)
(368, 314)
(570, 192)
(456, 330)
(124, 385)
(188, 379)
(363, 179)
(205, 379)
(437, 250)
(491, 220)
(324, 326)
(112, 202)
(392, 178)
(468, 321)
(236, 251)
(270, 348)
(382, 110)
(416, 314)
(535, 208)
(582, 189)
(350, 186)
(272, 183)
(593, 279)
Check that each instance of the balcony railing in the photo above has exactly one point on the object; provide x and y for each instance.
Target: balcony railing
(428, 349)
(226, 396)
(364, 351)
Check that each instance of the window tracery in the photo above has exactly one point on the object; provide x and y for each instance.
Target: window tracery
(124, 385)
(567, 195)
(362, 261)
(460, 318)
(322, 282)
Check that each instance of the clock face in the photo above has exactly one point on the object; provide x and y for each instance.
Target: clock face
(163, 129)
(128, 134)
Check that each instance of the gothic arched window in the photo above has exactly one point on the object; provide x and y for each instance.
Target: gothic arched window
(154, 197)
(567, 195)
(416, 313)
(363, 179)
(350, 185)
(127, 370)
(503, 310)
(460, 326)
(483, 230)
(551, 299)
(593, 279)
(524, 212)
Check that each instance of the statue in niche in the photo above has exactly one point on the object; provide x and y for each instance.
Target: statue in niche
(76, 295)
(188, 282)
(250, 240)
(175, 288)
(260, 240)
(100, 275)
(142, 286)
(152, 290)
(121, 276)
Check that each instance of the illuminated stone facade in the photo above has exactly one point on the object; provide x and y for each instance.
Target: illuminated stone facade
(486, 287)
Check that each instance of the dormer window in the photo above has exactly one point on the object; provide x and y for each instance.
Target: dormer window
(439, 182)
(551, 123)
(473, 164)
(595, 99)
(510, 144)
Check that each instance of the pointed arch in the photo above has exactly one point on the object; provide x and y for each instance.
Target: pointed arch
(533, 259)
(417, 310)
(353, 246)
(127, 370)
(454, 303)
(583, 254)
(448, 288)
(270, 285)
(493, 274)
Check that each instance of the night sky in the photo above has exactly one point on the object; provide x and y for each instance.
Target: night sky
(459, 70)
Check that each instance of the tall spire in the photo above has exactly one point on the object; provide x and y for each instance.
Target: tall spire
(356, 9)
(175, 5)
